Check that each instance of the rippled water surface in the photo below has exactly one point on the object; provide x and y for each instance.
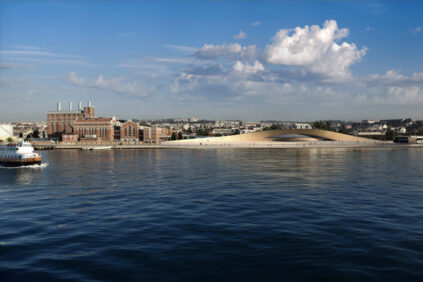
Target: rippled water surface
(225, 214)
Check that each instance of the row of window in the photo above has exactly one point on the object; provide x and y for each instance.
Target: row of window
(102, 132)
(127, 131)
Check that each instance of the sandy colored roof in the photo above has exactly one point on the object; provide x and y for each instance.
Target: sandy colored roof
(99, 119)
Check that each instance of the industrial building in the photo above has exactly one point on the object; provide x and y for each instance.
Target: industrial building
(60, 122)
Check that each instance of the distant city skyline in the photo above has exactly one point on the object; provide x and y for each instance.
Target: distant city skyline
(240, 60)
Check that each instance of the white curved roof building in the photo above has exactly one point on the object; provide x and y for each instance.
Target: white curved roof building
(6, 131)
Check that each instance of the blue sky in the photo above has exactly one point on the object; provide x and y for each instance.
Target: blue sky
(250, 60)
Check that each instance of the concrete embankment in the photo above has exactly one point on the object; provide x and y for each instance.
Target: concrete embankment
(249, 145)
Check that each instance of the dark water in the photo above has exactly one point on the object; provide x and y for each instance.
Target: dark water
(217, 215)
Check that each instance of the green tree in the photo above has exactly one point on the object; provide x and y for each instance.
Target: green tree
(173, 137)
(390, 134)
(9, 139)
(275, 126)
(202, 132)
(328, 125)
(179, 135)
(343, 129)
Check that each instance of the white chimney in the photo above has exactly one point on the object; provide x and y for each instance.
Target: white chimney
(58, 106)
(70, 106)
(79, 106)
(89, 103)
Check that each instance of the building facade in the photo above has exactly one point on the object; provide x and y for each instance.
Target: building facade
(156, 135)
(129, 131)
(95, 129)
(60, 122)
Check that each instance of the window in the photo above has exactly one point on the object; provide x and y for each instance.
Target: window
(125, 133)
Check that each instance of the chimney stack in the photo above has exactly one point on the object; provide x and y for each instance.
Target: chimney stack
(89, 103)
(58, 106)
(70, 106)
(79, 106)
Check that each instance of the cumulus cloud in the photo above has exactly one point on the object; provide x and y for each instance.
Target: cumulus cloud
(240, 35)
(392, 77)
(315, 49)
(233, 51)
(405, 95)
(117, 84)
(247, 68)
(399, 95)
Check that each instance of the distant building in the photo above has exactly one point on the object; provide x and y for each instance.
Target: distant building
(129, 131)
(6, 131)
(156, 134)
(60, 122)
(95, 129)
(302, 126)
(222, 131)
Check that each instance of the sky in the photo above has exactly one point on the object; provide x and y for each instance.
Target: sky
(218, 60)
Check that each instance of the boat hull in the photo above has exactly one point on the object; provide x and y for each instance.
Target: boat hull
(17, 163)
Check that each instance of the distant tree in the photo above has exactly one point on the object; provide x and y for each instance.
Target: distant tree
(343, 129)
(318, 125)
(275, 126)
(173, 137)
(328, 125)
(390, 134)
(9, 139)
(179, 135)
(202, 132)
(324, 125)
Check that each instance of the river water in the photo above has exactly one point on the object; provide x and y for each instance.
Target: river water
(213, 215)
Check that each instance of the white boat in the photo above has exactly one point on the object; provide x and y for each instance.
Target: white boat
(20, 154)
(97, 148)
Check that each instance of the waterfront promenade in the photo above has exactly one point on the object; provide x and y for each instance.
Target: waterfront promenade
(236, 145)
(264, 139)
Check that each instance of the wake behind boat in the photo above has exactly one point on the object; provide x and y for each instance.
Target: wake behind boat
(20, 154)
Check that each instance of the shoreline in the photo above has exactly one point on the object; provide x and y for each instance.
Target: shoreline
(235, 145)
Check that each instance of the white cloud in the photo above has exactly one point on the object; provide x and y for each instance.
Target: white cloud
(407, 95)
(240, 35)
(315, 49)
(392, 77)
(248, 69)
(181, 48)
(416, 30)
(26, 47)
(257, 23)
(117, 84)
(234, 50)
(13, 66)
(37, 53)
(174, 60)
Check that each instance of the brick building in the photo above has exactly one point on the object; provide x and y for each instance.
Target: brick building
(95, 129)
(129, 131)
(60, 122)
(156, 134)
